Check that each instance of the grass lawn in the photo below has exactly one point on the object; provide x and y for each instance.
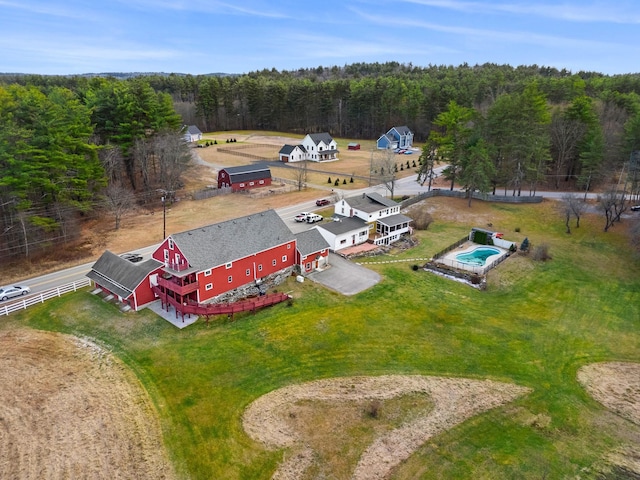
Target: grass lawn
(535, 325)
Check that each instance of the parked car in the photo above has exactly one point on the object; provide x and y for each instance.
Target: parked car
(322, 202)
(301, 217)
(132, 257)
(13, 291)
(635, 208)
(314, 217)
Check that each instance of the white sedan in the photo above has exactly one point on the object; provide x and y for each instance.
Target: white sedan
(13, 291)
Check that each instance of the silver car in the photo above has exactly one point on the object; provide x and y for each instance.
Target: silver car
(13, 291)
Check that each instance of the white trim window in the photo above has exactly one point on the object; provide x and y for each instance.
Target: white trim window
(248, 272)
(208, 286)
(228, 265)
(229, 279)
(171, 244)
(284, 258)
(207, 273)
(260, 267)
(274, 262)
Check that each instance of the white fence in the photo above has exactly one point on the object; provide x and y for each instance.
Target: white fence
(42, 297)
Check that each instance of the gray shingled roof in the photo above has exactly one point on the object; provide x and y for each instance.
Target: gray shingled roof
(310, 241)
(287, 149)
(246, 173)
(222, 243)
(343, 225)
(118, 275)
(370, 202)
(393, 220)
(321, 137)
(192, 129)
(402, 130)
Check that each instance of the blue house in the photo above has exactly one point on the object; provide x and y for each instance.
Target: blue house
(396, 137)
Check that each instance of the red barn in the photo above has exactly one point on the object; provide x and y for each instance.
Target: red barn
(244, 177)
(130, 282)
(353, 146)
(204, 263)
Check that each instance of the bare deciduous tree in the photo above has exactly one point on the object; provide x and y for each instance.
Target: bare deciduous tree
(301, 174)
(118, 201)
(383, 168)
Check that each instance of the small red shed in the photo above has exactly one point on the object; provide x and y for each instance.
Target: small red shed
(353, 146)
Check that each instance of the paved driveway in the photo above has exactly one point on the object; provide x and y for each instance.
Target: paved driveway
(345, 276)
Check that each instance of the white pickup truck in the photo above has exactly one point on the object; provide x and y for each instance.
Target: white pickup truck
(314, 217)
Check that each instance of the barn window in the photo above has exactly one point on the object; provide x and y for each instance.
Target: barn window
(288, 246)
(228, 265)
(251, 184)
(260, 267)
(273, 262)
(208, 286)
(248, 272)
(207, 273)
(241, 185)
(308, 265)
(261, 182)
(229, 279)
(170, 243)
(343, 241)
(284, 258)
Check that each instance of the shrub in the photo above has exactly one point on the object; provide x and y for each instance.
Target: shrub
(541, 252)
(518, 229)
(337, 182)
(421, 219)
(415, 267)
(524, 246)
(475, 279)
(344, 182)
(329, 180)
(351, 180)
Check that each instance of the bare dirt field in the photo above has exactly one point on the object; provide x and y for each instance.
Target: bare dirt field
(273, 420)
(69, 409)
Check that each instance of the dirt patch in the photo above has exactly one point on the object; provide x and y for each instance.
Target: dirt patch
(616, 385)
(69, 409)
(268, 418)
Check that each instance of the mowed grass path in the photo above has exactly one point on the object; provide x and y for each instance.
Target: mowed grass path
(535, 326)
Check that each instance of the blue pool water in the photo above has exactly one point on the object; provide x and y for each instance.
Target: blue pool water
(477, 256)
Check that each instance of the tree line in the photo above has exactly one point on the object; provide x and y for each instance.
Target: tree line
(65, 139)
(66, 151)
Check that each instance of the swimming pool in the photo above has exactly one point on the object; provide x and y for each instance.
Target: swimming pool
(478, 256)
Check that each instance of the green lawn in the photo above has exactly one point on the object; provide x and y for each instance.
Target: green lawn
(535, 325)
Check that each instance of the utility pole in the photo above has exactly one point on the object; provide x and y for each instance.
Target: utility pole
(164, 217)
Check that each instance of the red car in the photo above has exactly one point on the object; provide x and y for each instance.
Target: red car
(323, 202)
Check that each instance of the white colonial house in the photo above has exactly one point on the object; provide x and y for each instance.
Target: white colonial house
(315, 147)
(381, 214)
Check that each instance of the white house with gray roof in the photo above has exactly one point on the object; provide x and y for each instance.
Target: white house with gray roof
(315, 147)
(382, 214)
(344, 232)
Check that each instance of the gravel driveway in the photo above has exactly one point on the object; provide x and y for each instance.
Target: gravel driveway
(344, 276)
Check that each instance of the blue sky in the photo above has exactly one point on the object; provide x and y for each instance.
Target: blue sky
(206, 36)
